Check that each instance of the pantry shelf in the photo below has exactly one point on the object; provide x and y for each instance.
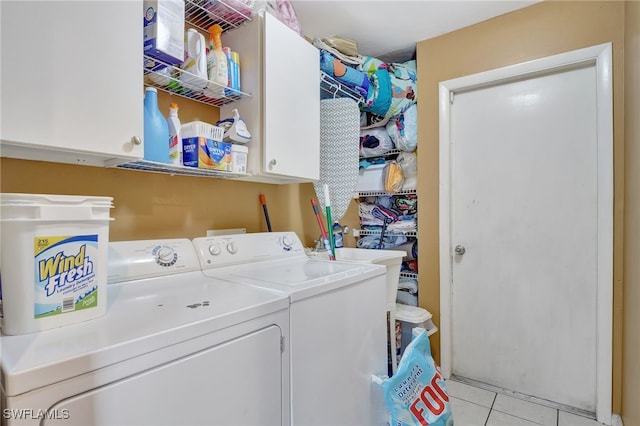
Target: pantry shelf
(171, 169)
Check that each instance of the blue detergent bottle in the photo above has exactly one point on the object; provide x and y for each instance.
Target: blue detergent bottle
(156, 129)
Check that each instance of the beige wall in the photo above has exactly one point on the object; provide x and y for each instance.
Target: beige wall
(150, 205)
(540, 30)
(631, 327)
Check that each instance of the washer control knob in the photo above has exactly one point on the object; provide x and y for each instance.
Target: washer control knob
(165, 255)
(214, 250)
(232, 248)
(286, 241)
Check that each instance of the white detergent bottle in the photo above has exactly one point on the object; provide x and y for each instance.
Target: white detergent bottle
(216, 64)
(194, 76)
(175, 135)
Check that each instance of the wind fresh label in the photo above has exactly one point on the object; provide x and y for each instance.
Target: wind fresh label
(65, 274)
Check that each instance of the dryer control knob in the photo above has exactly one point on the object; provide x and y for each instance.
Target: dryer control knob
(232, 248)
(214, 250)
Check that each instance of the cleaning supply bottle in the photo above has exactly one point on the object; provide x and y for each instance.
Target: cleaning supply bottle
(230, 75)
(337, 235)
(156, 129)
(175, 136)
(216, 63)
(235, 59)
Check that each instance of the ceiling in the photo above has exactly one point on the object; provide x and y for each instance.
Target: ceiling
(389, 29)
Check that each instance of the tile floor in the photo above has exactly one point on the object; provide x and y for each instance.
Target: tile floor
(479, 407)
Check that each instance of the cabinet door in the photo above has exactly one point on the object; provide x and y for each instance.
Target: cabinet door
(291, 103)
(72, 80)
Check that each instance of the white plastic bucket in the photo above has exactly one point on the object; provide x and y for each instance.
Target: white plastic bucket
(53, 260)
(239, 155)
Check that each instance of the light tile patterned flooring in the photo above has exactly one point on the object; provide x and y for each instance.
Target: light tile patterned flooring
(473, 406)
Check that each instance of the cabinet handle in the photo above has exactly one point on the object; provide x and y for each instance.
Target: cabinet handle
(135, 140)
(272, 163)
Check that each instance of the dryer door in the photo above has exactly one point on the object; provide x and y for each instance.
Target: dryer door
(237, 382)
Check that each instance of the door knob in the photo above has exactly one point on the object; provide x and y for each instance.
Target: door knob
(460, 250)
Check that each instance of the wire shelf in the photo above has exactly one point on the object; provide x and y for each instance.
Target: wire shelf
(171, 83)
(204, 13)
(362, 194)
(174, 169)
(200, 14)
(364, 232)
(336, 89)
(388, 153)
(405, 274)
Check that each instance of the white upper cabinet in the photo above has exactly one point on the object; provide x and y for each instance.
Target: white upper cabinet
(71, 80)
(282, 72)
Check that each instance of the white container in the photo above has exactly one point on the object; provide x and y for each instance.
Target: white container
(53, 260)
(194, 77)
(410, 317)
(371, 178)
(200, 129)
(239, 154)
(163, 32)
(392, 259)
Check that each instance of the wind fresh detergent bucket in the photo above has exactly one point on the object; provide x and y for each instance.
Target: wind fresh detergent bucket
(53, 260)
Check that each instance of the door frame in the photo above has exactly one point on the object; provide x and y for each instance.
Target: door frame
(601, 57)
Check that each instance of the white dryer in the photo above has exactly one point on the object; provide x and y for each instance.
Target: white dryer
(337, 320)
(175, 348)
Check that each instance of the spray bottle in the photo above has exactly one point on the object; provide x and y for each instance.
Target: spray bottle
(175, 136)
(216, 63)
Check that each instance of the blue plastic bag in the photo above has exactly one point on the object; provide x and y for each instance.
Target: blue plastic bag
(416, 393)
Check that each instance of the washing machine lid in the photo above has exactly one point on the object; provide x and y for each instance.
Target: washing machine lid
(142, 316)
(299, 277)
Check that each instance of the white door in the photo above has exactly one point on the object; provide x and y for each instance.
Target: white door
(529, 231)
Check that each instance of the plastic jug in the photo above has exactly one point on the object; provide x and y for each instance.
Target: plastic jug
(194, 77)
(156, 129)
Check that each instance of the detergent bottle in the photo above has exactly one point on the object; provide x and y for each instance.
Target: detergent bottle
(156, 129)
(194, 76)
(216, 64)
(175, 136)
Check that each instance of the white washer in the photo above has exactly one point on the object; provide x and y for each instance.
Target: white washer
(175, 348)
(337, 320)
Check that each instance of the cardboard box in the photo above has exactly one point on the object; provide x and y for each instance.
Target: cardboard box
(163, 32)
(206, 154)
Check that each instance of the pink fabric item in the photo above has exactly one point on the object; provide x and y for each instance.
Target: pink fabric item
(286, 14)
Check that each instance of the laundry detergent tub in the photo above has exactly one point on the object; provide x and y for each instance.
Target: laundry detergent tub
(53, 260)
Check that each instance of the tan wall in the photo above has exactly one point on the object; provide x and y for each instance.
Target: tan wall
(537, 31)
(150, 205)
(631, 334)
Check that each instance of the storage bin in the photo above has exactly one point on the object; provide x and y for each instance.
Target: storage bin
(239, 155)
(53, 260)
(371, 178)
(407, 318)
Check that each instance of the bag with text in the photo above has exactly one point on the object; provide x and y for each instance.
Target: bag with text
(416, 395)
